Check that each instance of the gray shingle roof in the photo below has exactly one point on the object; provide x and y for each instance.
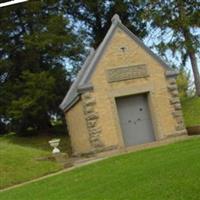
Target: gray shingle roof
(72, 94)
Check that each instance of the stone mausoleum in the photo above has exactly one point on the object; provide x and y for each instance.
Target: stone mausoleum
(124, 95)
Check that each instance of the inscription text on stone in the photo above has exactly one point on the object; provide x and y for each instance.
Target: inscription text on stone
(126, 73)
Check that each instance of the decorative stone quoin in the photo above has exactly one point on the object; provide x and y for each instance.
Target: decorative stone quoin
(176, 105)
(91, 118)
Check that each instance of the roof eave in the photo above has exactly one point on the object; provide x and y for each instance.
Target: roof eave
(84, 88)
(72, 93)
(70, 105)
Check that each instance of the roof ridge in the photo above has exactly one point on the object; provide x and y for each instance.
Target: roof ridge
(115, 22)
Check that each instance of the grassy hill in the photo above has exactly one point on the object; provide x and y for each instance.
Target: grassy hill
(191, 111)
(20, 158)
(167, 172)
(19, 155)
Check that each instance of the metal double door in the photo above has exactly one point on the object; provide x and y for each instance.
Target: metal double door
(135, 119)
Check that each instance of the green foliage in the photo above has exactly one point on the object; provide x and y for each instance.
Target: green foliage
(32, 107)
(175, 17)
(183, 82)
(167, 172)
(95, 16)
(191, 111)
(36, 41)
(177, 22)
(2, 128)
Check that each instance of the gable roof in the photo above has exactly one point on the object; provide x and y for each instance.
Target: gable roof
(83, 79)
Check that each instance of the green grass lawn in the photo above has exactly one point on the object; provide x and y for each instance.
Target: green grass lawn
(163, 173)
(19, 158)
(191, 111)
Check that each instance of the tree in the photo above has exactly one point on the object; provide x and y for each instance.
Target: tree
(184, 83)
(31, 109)
(36, 41)
(95, 16)
(177, 21)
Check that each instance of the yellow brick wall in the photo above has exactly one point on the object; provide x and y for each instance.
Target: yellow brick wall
(113, 57)
(77, 129)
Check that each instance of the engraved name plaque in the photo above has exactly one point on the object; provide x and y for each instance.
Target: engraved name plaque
(127, 73)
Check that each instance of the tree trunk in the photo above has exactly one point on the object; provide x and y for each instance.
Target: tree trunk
(195, 70)
(189, 45)
(191, 53)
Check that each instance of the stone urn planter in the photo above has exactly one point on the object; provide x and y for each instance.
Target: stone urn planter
(193, 130)
(55, 143)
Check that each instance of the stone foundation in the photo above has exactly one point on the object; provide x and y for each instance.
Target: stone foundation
(193, 130)
(97, 150)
